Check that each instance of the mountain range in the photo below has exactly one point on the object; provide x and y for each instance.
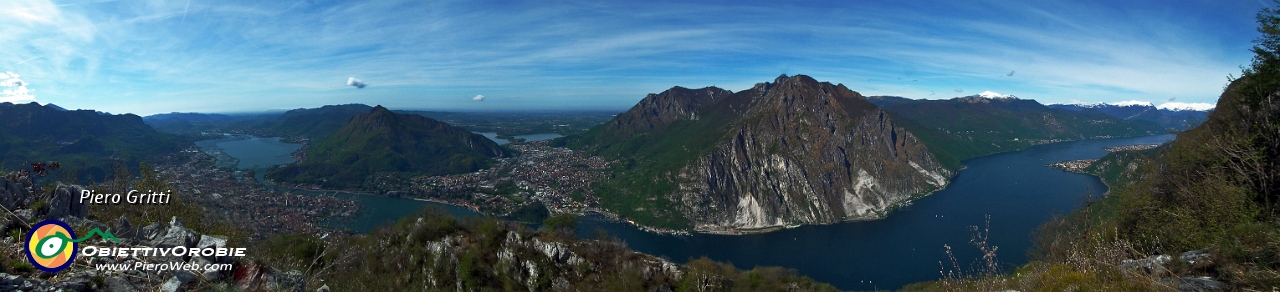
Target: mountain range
(971, 126)
(311, 123)
(1174, 118)
(83, 141)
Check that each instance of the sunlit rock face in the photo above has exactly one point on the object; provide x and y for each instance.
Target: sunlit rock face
(794, 151)
(806, 152)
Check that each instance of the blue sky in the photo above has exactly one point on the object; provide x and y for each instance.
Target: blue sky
(148, 57)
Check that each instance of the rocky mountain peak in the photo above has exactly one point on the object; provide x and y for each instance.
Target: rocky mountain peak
(657, 110)
(794, 151)
(802, 93)
(782, 78)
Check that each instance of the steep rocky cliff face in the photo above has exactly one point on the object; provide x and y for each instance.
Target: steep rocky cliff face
(794, 151)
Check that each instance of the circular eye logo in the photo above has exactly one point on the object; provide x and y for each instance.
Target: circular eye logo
(50, 246)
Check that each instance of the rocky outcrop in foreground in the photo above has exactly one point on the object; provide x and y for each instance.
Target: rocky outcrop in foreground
(437, 253)
(432, 253)
(1158, 269)
(24, 207)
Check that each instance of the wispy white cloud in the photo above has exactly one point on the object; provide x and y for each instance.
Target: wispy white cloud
(98, 54)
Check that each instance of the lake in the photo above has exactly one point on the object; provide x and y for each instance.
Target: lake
(530, 137)
(1015, 189)
(250, 152)
(259, 154)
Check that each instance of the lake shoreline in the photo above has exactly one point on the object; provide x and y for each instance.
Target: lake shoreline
(888, 249)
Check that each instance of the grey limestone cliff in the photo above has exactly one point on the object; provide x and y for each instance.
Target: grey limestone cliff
(794, 151)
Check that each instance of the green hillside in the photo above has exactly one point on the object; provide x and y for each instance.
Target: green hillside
(1119, 169)
(968, 127)
(649, 157)
(381, 141)
(83, 141)
(314, 123)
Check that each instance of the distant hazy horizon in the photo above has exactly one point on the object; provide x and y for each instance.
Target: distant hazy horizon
(505, 110)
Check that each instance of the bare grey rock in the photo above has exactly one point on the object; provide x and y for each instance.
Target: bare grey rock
(208, 275)
(15, 283)
(1194, 284)
(13, 193)
(86, 224)
(150, 232)
(1196, 257)
(75, 281)
(209, 241)
(176, 235)
(177, 280)
(118, 284)
(65, 202)
(125, 229)
(26, 215)
(1152, 265)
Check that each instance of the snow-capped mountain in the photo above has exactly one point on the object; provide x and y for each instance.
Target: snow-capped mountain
(1182, 106)
(1174, 115)
(995, 95)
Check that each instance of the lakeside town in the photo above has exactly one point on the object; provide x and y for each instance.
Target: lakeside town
(1136, 147)
(542, 177)
(1080, 165)
(233, 196)
(1073, 165)
(558, 178)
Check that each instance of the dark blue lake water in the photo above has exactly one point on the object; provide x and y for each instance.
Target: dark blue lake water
(1015, 189)
(253, 152)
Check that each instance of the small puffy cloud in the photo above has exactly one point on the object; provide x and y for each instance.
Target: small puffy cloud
(13, 89)
(478, 98)
(352, 81)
